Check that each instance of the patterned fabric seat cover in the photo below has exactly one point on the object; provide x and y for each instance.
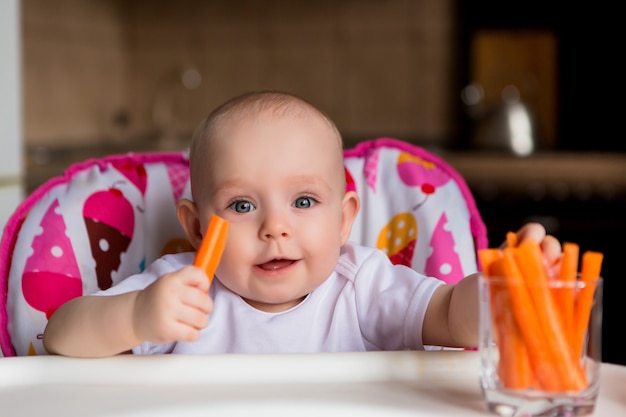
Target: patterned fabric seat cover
(108, 218)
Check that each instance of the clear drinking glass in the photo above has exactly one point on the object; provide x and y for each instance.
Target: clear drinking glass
(540, 358)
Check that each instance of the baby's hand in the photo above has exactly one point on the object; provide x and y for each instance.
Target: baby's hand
(550, 246)
(173, 308)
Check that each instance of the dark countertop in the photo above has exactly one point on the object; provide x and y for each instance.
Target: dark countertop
(580, 171)
(593, 169)
(45, 162)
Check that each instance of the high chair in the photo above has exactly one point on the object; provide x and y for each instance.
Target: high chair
(108, 218)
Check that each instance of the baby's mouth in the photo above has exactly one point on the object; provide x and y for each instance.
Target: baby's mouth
(276, 264)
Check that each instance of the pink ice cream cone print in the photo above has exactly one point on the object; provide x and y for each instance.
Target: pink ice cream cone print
(110, 221)
(398, 239)
(51, 275)
(444, 262)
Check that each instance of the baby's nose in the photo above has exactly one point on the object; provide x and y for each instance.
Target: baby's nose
(275, 226)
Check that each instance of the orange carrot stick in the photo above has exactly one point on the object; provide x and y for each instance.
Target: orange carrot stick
(511, 239)
(564, 297)
(529, 259)
(491, 267)
(212, 246)
(514, 367)
(541, 357)
(487, 258)
(591, 265)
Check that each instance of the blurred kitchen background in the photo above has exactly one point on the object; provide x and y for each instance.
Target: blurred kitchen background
(513, 94)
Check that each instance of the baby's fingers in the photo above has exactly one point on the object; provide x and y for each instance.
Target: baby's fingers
(189, 324)
(195, 305)
(550, 246)
(195, 277)
(174, 307)
(181, 323)
(552, 250)
(531, 231)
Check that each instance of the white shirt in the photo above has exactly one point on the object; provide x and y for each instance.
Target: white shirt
(366, 304)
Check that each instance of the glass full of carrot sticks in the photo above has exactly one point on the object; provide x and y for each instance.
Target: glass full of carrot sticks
(540, 330)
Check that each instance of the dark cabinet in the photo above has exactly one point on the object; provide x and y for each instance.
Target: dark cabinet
(575, 110)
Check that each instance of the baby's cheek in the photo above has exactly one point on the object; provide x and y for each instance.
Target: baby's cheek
(323, 268)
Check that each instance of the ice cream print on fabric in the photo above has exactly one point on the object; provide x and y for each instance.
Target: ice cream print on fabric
(443, 261)
(350, 184)
(110, 220)
(418, 215)
(51, 275)
(398, 239)
(416, 172)
(134, 172)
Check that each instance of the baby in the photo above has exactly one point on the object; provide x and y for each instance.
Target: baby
(289, 281)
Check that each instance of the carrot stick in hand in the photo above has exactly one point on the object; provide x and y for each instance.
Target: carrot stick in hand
(212, 246)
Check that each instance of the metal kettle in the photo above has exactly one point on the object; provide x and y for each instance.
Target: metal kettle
(507, 126)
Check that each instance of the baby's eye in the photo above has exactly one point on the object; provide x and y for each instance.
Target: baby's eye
(242, 206)
(304, 202)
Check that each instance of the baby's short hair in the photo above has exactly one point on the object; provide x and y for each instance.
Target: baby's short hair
(251, 103)
(255, 102)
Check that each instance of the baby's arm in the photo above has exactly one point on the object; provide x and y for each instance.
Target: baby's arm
(173, 308)
(451, 318)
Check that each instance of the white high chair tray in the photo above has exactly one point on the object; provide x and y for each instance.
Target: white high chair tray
(423, 384)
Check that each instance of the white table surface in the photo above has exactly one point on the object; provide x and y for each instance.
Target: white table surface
(439, 383)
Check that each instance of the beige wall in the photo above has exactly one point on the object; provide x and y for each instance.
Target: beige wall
(382, 67)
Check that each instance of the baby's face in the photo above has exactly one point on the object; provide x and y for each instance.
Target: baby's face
(279, 182)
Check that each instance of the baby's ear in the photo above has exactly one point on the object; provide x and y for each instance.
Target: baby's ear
(187, 213)
(350, 208)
